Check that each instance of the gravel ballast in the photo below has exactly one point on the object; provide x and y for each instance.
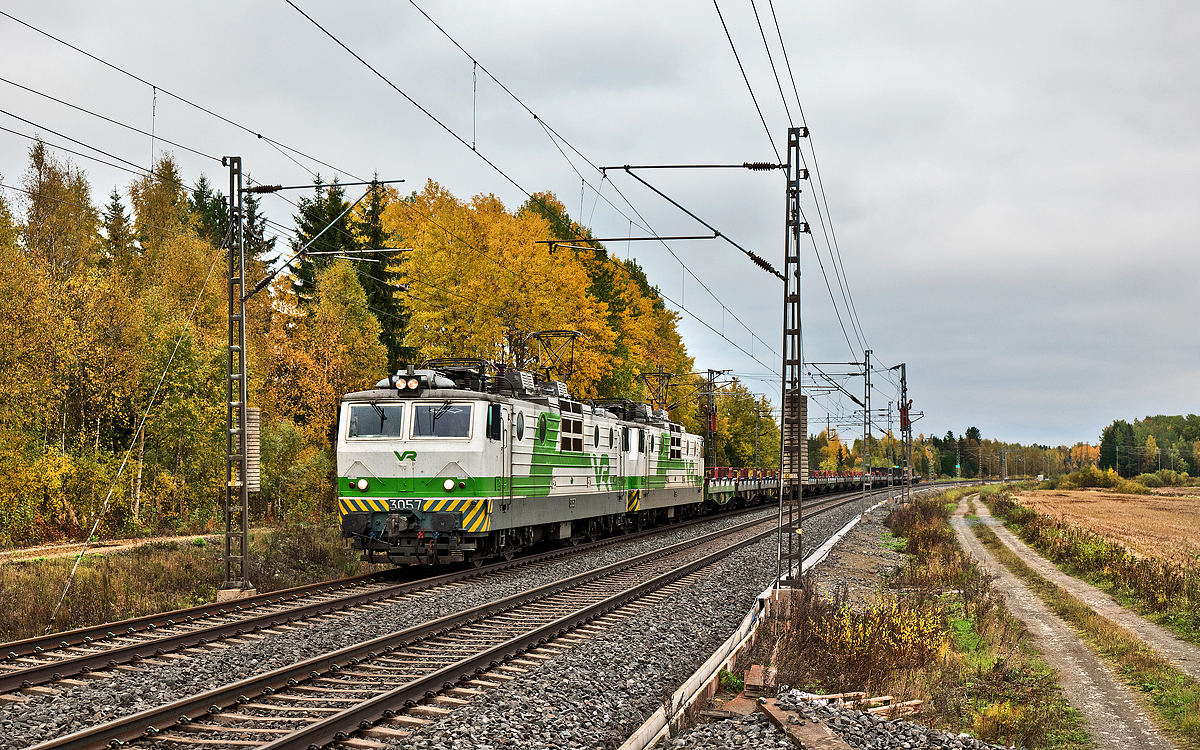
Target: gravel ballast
(604, 687)
(864, 730)
(857, 729)
(597, 693)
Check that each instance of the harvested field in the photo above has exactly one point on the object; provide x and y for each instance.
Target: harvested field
(1151, 525)
(1178, 492)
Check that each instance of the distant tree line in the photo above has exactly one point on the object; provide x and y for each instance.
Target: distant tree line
(1152, 444)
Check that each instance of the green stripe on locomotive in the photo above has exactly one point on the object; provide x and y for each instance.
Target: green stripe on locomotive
(544, 460)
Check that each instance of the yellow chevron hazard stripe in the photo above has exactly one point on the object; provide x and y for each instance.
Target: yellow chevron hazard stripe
(447, 503)
(477, 512)
(360, 505)
(633, 500)
(479, 518)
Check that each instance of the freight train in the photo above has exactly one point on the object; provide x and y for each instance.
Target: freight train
(464, 461)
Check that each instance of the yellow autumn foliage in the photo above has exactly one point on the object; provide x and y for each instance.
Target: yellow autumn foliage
(480, 283)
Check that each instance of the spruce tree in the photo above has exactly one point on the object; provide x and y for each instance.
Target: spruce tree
(317, 213)
(210, 215)
(378, 279)
(259, 248)
(119, 248)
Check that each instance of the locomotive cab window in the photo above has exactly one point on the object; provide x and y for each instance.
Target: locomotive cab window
(445, 420)
(374, 421)
(571, 430)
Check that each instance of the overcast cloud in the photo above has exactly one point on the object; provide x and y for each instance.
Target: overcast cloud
(1013, 184)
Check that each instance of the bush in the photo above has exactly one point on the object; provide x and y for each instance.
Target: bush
(1088, 476)
(1149, 480)
(729, 682)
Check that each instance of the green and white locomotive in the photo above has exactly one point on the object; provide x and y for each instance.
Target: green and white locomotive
(460, 461)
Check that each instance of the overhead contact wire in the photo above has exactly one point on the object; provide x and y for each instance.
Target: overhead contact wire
(745, 78)
(188, 102)
(555, 138)
(430, 115)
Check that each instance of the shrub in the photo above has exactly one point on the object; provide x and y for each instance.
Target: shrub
(1149, 480)
(891, 633)
(729, 682)
(945, 639)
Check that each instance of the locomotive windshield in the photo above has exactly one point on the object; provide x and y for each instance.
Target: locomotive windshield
(372, 420)
(445, 420)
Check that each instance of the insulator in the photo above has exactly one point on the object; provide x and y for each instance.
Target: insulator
(263, 189)
(804, 227)
(762, 263)
(760, 166)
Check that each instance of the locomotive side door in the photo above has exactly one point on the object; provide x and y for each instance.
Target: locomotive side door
(618, 468)
(506, 451)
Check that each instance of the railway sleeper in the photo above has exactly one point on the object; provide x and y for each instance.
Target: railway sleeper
(232, 718)
(385, 733)
(201, 727)
(447, 700)
(404, 720)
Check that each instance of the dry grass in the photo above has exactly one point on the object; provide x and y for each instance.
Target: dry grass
(1147, 525)
(1177, 491)
(159, 577)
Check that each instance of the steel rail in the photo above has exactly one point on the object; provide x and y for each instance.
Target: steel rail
(92, 637)
(80, 636)
(143, 627)
(56, 670)
(339, 726)
(151, 722)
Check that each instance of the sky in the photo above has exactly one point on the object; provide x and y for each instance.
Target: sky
(1007, 203)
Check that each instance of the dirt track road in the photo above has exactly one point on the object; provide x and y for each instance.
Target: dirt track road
(1166, 644)
(71, 549)
(1115, 718)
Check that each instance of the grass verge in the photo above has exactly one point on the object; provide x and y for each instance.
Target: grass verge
(1173, 697)
(159, 577)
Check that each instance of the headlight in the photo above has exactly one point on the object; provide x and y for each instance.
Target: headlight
(448, 484)
(362, 485)
(400, 384)
(413, 384)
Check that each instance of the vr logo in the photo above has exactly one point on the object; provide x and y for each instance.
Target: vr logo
(410, 455)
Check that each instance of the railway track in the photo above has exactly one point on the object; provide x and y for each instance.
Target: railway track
(175, 662)
(425, 669)
(87, 652)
